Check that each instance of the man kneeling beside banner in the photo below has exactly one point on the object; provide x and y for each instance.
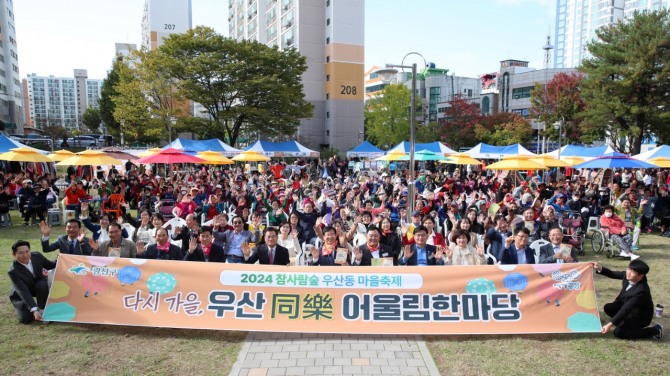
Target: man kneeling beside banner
(503, 299)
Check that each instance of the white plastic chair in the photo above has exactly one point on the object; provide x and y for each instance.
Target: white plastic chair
(536, 245)
(129, 229)
(174, 223)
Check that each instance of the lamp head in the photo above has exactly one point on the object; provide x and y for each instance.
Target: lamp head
(387, 74)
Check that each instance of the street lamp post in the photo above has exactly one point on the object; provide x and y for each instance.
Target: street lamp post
(559, 125)
(173, 121)
(122, 142)
(386, 76)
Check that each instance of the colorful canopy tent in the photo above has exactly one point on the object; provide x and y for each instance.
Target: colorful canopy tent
(214, 158)
(8, 143)
(170, 156)
(486, 151)
(192, 147)
(582, 151)
(24, 154)
(365, 150)
(615, 160)
(391, 156)
(659, 161)
(60, 155)
(282, 149)
(661, 151)
(424, 155)
(516, 163)
(461, 159)
(251, 156)
(436, 147)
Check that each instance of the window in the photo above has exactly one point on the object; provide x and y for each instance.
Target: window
(522, 92)
(327, 133)
(327, 77)
(327, 96)
(327, 115)
(327, 3)
(328, 40)
(327, 21)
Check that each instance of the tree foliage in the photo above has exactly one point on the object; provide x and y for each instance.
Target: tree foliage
(240, 84)
(427, 133)
(627, 80)
(561, 101)
(387, 117)
(132, 108)
(503, 129)
(107, 93)
(459, 122)
(92, 119)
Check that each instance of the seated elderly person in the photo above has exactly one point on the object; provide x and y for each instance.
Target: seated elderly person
(556, 251)
(629, 214)
(619, 231)
(461, 251)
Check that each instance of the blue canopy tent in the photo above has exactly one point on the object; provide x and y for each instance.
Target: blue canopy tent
(435, 147)
(614, 160)
(487, 151)
(661, 151)
(282, 149)
(192, 147)
(8, 143)
(365, 150)
(582, 151)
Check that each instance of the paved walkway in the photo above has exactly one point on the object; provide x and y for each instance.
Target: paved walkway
(265, 354)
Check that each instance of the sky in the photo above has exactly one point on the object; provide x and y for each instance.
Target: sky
(468, 37)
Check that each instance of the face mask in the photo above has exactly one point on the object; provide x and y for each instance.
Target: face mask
(608, 215)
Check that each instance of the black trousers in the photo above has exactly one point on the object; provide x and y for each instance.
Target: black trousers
(39, 210)
(630, 329)
(41, 292)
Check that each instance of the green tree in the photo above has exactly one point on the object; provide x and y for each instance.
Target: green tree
(92, 119)
(427, 133)
(131, 109)
(561, 101)
(627, 80)
(107, 93)
(387, 117)
(241, 85)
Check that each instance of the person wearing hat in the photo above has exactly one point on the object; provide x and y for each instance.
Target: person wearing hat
(633, 308)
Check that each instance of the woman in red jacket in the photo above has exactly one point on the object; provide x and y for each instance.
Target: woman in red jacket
(619, 233)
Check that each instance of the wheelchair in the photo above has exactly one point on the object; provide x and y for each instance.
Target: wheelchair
(573, 234)
(601, 241)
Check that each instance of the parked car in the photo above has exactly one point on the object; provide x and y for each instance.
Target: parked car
(82, 141)
(32, 139)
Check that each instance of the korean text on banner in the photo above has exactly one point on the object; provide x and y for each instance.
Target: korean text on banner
(544, 298)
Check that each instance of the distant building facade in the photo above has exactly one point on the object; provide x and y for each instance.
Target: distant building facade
(578, 20)
(330, 34)
(60, 101)
(11, 93)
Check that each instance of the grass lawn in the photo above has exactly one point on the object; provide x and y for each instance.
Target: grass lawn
(569, 354)
(75, 349)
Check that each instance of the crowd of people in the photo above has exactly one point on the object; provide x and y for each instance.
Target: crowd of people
(338, 212)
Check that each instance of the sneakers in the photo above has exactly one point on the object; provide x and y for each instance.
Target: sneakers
(624, 254)
(634, 257)
(659, 335)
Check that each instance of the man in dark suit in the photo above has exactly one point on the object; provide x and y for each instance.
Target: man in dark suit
(206, 251)
(73, 242)
(364, 254)
(161, 250)
(633, 308)
(420, 253)
(186, 233)
(517, 250)
(28, 282)
(551, 253)
(269, 253)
